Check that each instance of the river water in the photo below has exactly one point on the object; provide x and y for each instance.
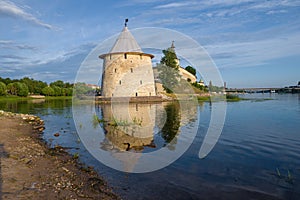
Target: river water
(257, 155)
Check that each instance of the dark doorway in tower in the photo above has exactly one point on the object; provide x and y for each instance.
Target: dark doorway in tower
(136, 94)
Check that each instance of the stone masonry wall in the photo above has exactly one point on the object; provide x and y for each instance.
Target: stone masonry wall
(127, 75)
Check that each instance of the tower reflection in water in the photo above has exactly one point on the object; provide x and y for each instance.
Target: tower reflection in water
(143, 127)
(128, 126)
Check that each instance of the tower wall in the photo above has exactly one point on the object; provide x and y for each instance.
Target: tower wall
(127, 75)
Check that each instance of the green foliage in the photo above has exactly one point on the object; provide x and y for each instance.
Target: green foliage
(200, 87)
(231, 97)
(191, 69)
(23, 90)
(18, 88)
(34, 86)
(11, 89)
(169, 59)
(48, 91)
(5, 80)
(28, 85)
(172, 124)
(67, 91)
(168, 76)
(76, 155)
(81, 89)
(58, 83)
(3, 89)
(203, 98)
(57, 90)
(38, 86)
(168, 70)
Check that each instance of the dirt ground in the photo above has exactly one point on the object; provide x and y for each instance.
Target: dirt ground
(30, 170)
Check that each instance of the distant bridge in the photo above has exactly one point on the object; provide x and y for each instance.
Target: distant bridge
(253, 90)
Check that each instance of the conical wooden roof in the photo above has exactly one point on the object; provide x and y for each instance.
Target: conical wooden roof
(126, 43)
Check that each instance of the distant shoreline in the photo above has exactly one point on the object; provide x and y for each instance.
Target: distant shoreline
(12, 97)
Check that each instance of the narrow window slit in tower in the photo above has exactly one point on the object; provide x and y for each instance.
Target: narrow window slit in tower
(125, 56)
(120, 82)
(131, 70)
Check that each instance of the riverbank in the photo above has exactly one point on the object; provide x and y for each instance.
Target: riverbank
(29, 169)
(17, 98)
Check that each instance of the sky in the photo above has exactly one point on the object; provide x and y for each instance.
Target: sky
(252, 43)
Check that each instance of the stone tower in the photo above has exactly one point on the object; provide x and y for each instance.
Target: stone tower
(127, 70)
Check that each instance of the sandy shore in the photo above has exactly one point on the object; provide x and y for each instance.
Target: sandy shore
(31, 170)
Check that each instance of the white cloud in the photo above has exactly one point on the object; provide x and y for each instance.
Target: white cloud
(46, 66)
(8, 8)
(174, 5)
(274, 4)
(272, 12)
(8, 44)
(254, 53)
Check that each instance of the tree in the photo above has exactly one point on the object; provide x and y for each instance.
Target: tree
(57, 90)
(11, 89)
(34, 86)
(58, 83)
(68, 85)
(168, 70)
(18, 88)
(3, 89)
(191, 69)
(48, 91)
(200, 87)
(5, 80)
(172, 124)
(169, 59)
(66, 91)
(38, 86)
(29, 82)
(22, 90)
(81, 89)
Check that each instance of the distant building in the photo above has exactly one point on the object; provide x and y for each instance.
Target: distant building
(127, 69)
(93, 86)
(201, 82)
(182, 72)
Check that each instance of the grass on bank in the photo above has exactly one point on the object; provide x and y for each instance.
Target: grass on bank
(17, 98)
(232, 98)
(227, 97)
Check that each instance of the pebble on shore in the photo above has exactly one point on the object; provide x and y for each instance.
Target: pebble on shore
(40, 172)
